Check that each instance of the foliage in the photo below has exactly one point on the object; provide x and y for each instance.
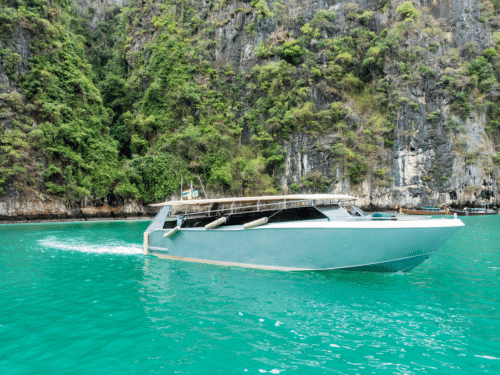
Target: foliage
(365, 17)
(315, 181)
(261, 8)
(489, 53)
(292, 51)
(407, 10)
(426, 71)
(116, 119)
(154, 177)
(356, 171)
(73, 136)
(323, 18)
(481, 68)
(251, 29)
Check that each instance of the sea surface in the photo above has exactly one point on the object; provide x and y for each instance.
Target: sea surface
(80, 298)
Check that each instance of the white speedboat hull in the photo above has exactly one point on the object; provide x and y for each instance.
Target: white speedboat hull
(381, 246)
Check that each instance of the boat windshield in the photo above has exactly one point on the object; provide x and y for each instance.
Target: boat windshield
(363, 213)
(354, 210)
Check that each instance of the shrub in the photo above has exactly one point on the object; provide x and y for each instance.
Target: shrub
(11, 61)
(407, 10)
(356, 172)
(15, 100)
(426, 71)
(264, 51)
(292, 51)
(484, 71)
(369, 63)
(365, 17)
(489, 53)
(157, 176)
(323, 18)
(470, 47)
(434, 116)
(352, 83)
(261, 8)
(316, 181)
(344, 57)
(451, 124)
(461, 105)
(496, 37)
(251, 29)
(221, 176)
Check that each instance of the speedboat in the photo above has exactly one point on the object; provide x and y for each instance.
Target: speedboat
(294, 233)
(484, 210)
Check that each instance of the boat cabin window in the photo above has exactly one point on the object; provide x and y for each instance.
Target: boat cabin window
(274, 216)
(170, 223)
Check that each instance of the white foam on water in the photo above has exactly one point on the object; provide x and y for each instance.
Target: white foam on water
(87, 248)
(486, 356)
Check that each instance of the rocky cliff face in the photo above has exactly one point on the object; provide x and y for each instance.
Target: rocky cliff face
(431, 161)
(418, 126)
(96, 10)
(13, 60)
(28, 209)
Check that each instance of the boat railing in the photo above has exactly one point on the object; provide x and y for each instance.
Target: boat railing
(414, 217)
(242, 209)
(394, 218)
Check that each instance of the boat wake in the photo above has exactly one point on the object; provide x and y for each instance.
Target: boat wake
(125, 249)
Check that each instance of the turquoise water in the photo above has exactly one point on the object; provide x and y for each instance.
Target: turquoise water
(79, 298)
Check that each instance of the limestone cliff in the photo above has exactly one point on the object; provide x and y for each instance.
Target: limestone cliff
(403, 96)
(428, 163)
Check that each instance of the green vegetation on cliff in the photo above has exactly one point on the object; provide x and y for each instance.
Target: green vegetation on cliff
(60, 131)
(129, 108)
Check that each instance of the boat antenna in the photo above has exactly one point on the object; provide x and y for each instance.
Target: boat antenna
(181, 187)
(204, 192)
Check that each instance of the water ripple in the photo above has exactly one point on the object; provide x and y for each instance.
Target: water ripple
(79, 299)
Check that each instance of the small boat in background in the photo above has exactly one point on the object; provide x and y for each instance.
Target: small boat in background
(443, 210)
(484, 210)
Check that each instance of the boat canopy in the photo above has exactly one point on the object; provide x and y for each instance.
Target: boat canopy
(294, 197)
